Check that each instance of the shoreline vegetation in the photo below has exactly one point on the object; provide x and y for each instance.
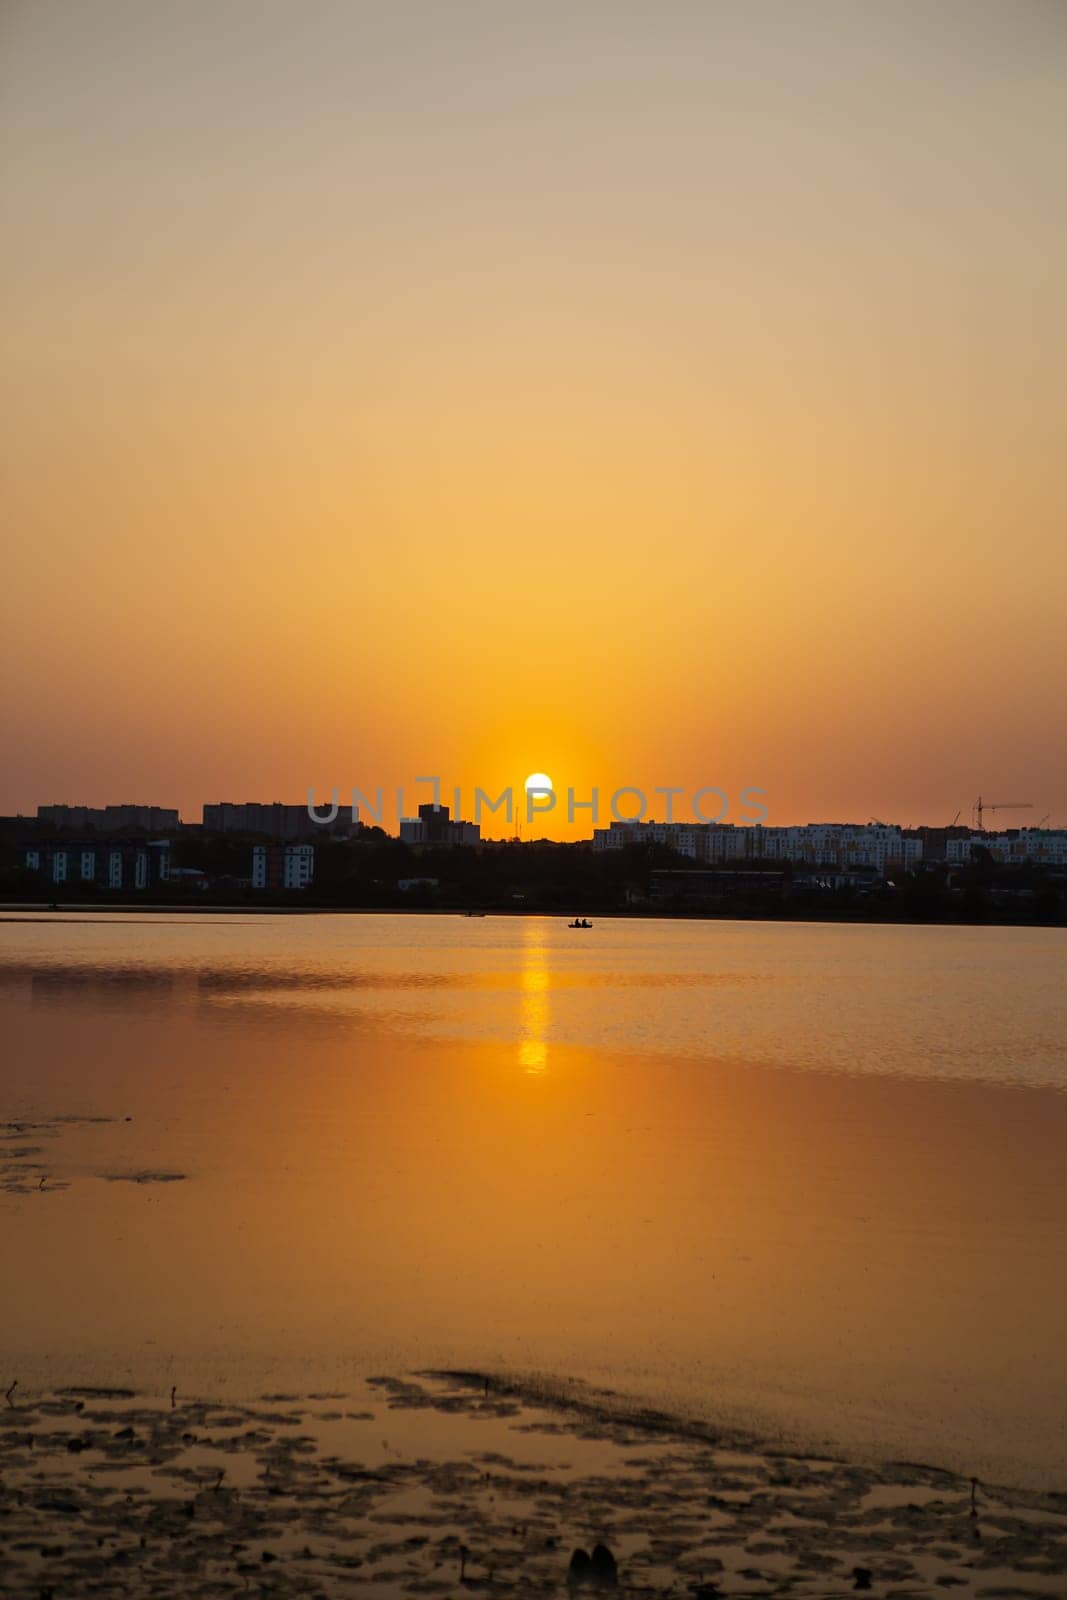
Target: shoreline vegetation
(445, 1482)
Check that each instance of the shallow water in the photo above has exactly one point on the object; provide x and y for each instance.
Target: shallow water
(803, 1180)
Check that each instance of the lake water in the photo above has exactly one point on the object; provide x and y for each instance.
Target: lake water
(805, 1180)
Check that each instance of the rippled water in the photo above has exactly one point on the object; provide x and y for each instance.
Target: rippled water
(808, 1179)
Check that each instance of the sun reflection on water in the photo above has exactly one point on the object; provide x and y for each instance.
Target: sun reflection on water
(534, 982)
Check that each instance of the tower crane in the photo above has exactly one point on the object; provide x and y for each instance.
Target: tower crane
(980, 808)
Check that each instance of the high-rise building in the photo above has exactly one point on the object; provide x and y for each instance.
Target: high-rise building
(837, 845)
(275, 821)
(110, 819)
(819, 844)
(433, 826)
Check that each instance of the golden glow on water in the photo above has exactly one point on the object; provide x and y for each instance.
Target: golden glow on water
(418, 1141)
(535, 988)
(533, 1054)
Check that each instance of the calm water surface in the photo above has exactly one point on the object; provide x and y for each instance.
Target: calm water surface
(804, 1179)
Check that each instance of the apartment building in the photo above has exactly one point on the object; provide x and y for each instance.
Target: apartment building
(283, 866)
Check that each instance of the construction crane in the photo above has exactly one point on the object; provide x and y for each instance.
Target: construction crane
(1046, 818)
(956, 818)
(980, 808)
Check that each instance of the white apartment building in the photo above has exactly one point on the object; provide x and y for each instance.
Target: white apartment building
(817, 844)
(912, 848)
(290, 866)
(723, 842)
(127, 866)
(1046, 846)
(700, 841)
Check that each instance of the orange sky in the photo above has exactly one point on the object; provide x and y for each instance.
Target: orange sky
(644, 394)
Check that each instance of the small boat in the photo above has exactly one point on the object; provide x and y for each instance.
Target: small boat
(579, 922)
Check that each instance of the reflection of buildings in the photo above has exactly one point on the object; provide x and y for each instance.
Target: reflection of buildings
(433, 827)
(283, 866)
(114, 864)
(109, 819)
(107, 987)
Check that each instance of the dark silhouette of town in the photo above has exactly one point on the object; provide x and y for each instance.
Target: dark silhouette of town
(274, 856)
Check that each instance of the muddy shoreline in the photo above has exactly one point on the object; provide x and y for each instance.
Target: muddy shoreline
(447, 1483)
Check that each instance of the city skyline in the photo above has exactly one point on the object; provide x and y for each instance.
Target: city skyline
(420, 825)
(675, 865)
